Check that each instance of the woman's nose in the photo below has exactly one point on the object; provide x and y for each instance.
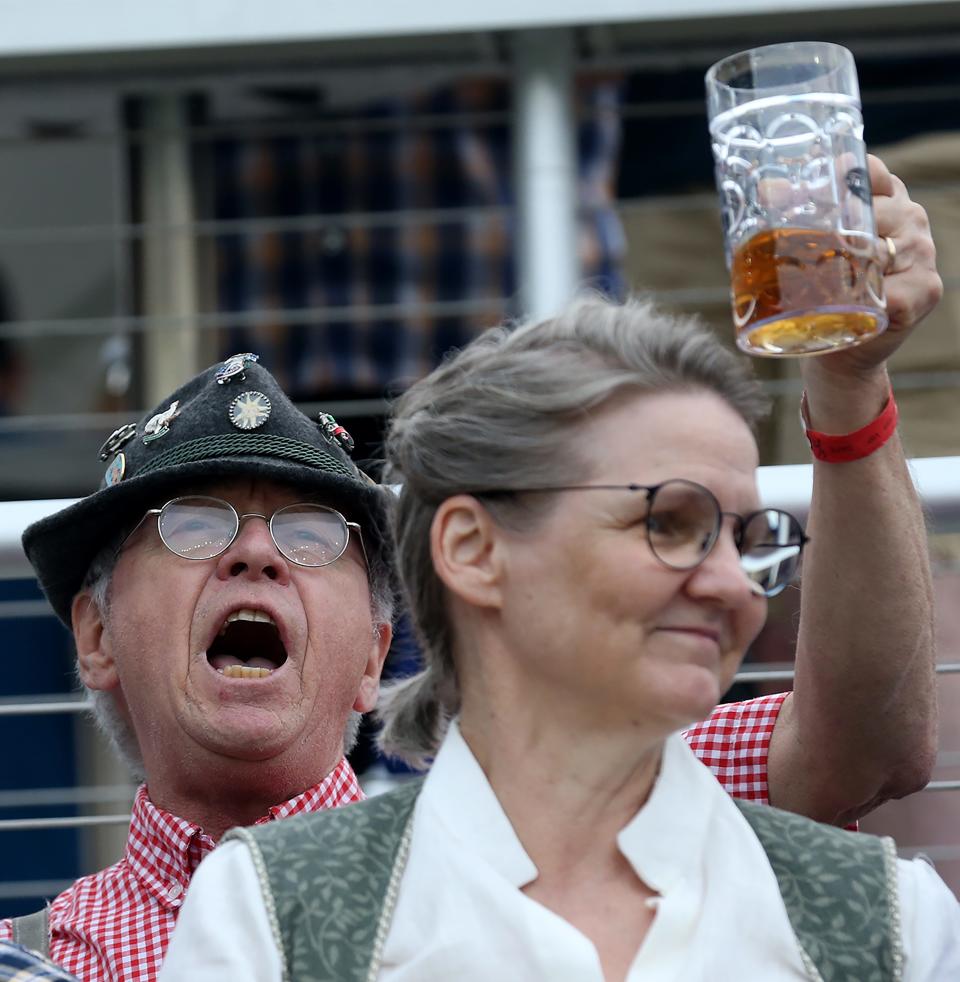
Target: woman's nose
(721, 574)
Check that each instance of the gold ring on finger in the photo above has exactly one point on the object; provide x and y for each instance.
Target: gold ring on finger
(891, 254)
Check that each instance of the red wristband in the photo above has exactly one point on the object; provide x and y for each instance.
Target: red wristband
(851, 446)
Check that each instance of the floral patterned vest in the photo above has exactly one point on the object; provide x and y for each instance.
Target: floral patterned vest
(330, 883)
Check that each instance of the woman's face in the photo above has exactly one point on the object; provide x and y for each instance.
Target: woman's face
(593, 620)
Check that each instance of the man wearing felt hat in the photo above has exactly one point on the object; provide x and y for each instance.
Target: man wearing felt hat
(229, 590)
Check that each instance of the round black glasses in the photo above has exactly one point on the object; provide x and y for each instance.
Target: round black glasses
(200, 527)
(684, 521)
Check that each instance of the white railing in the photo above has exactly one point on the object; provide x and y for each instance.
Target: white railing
(787, 486)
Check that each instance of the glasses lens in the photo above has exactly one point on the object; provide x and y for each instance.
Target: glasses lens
(770, 553)
(310, 535)
(682, 523)
(197, 528)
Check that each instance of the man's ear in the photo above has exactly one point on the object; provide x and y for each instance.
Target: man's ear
(467, 551)
(97, 668)
(370, 681)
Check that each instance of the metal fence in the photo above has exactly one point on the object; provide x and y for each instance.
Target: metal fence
(937, 479)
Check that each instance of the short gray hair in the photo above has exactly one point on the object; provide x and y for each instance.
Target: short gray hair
(500, 414)
(103, 706)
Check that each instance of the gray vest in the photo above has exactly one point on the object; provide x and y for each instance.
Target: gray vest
(330, 883)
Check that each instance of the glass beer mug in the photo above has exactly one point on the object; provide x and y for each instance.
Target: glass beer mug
(806, 268)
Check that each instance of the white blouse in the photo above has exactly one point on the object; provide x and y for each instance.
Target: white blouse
(461, 914)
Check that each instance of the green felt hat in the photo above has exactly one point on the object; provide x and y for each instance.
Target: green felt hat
(232, 420)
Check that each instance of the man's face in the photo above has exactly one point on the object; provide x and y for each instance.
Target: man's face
(181, 640)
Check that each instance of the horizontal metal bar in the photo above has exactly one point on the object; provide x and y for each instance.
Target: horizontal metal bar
(676, 108)
(902, 381)
(307, 223)
(111, 324)
(786, 674)
(32, 888)
(494, 306)
(66, 822)
(53, 705)
(936, 854)
(46, 706)
(716, 295)
(765, 675)
(17, 609)
(319, 222)
(93, 821)
(95, 794)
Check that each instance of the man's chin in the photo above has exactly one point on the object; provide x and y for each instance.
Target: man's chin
(253, 735)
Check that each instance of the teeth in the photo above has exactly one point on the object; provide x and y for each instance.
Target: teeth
(246, 614)
(245, 672)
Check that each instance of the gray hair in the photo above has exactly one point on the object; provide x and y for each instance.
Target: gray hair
(501, 413)
(111, 722)
(103, 706)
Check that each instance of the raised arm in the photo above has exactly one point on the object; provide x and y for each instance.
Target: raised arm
(860, 727)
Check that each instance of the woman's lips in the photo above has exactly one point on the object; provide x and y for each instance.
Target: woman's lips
(707, 634)
(702, 631)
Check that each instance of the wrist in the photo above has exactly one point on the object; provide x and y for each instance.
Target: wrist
(839, 448)
(844, 403)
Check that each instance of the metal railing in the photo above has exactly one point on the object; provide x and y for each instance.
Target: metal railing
(786, 486)
(937, 479)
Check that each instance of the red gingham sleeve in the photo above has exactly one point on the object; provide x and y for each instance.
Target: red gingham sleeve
(734, 742)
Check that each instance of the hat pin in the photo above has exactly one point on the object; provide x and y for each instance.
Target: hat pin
(159, 425)
(249, 411)
(233, 367)
(121, 436)
(334, 432)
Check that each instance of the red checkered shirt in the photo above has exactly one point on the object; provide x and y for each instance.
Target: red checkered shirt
(734, 741)
(115, 925)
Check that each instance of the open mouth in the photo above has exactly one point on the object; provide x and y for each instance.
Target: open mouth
(248, 646)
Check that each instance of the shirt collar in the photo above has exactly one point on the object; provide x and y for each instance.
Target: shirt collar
(456, 792)
(339, 787)
(664, 842)
(163, 851)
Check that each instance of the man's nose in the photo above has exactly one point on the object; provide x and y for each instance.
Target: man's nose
(253, 553)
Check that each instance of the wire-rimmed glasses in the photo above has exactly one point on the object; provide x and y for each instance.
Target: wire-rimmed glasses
(202, 527)
(683, 523)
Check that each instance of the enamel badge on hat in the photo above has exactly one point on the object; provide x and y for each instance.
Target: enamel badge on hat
(159, 425)
(249, 410)
(233, 367)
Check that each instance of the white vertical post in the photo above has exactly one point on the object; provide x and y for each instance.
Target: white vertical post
(171, 352)
(545, 169)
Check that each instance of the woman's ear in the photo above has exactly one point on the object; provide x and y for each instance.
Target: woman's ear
(466, 546)
(96, 665)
